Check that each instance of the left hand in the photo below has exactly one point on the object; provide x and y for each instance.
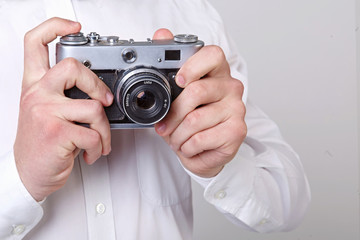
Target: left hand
(205, 125)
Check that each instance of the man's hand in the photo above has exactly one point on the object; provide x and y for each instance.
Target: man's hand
(47, 139)
(205, 125)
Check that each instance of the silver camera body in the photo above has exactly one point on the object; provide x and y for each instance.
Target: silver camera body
(141, 75)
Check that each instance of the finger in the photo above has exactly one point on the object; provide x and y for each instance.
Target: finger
(163, 34)
(69, 73)
(90, 112)
(196, 94)
(36, 57)
(198, 120)
(87, 139)
(210, 61)
(207, 164)
(224, 139)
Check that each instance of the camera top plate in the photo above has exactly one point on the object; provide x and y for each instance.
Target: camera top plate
(109, 52)
(94, 38)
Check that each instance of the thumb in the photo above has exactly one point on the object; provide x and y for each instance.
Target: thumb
(36, 56)
(162, 34)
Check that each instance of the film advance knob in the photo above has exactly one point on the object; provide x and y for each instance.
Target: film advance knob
(185, 38)
(74, 39)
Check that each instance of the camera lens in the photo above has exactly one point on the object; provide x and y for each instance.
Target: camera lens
(145, 100)
(143, 95)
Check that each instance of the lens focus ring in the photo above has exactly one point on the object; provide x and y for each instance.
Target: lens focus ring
(143, 94)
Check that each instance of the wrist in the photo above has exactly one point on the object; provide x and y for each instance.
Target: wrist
(31, 188)
(208, 173)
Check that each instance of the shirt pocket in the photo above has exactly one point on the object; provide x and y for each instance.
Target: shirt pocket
(162, 179)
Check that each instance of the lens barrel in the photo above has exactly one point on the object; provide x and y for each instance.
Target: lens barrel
(143, 94)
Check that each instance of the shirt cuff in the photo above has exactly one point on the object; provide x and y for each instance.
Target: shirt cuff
(232, 191)
(204, 182)
(19, 212)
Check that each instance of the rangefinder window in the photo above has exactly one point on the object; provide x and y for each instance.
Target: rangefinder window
(172, 55)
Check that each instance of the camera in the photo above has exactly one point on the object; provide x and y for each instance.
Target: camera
(140, 74)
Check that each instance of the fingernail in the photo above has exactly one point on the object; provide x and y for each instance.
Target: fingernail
(180, 81)
(161, 128)
(107, 152)
(109, 98)
(74, 22)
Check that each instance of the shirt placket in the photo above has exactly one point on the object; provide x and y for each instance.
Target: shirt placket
(96, 179)
(99, 210)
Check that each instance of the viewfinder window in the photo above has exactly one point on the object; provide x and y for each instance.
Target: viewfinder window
(172, 55)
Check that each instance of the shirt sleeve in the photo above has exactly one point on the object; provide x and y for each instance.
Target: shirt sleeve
(264, 188)
(19, 212)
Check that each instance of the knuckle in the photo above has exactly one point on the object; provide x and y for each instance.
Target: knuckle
(37, 112)
(33, 100)
(52, 128)
(238, 85)
(29, 103)
(64, 153)
(237, 106)
(192, 118)
(187, 70)
(94, 139)
(197, 90)
(55, 19)
(70, 64)
(242, 131)
(99, 86)
(26, 100)
(216, 52)
(29, 37)
(236, 92)
(239, 131)
(197, 139)
(185, 148)
(96, 107)
(240, 108)
(175, 143)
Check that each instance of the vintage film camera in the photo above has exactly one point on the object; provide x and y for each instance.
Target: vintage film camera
(141, 75)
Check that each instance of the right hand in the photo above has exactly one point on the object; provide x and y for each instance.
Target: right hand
(47, 139)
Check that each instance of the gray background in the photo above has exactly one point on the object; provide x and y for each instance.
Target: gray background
(302, 65)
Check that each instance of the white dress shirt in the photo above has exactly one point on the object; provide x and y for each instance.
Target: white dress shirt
(141, 190)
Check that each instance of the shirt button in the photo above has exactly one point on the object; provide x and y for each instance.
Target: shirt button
(100, 208)
(220, 194)
(19, 229)
(262, 222)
